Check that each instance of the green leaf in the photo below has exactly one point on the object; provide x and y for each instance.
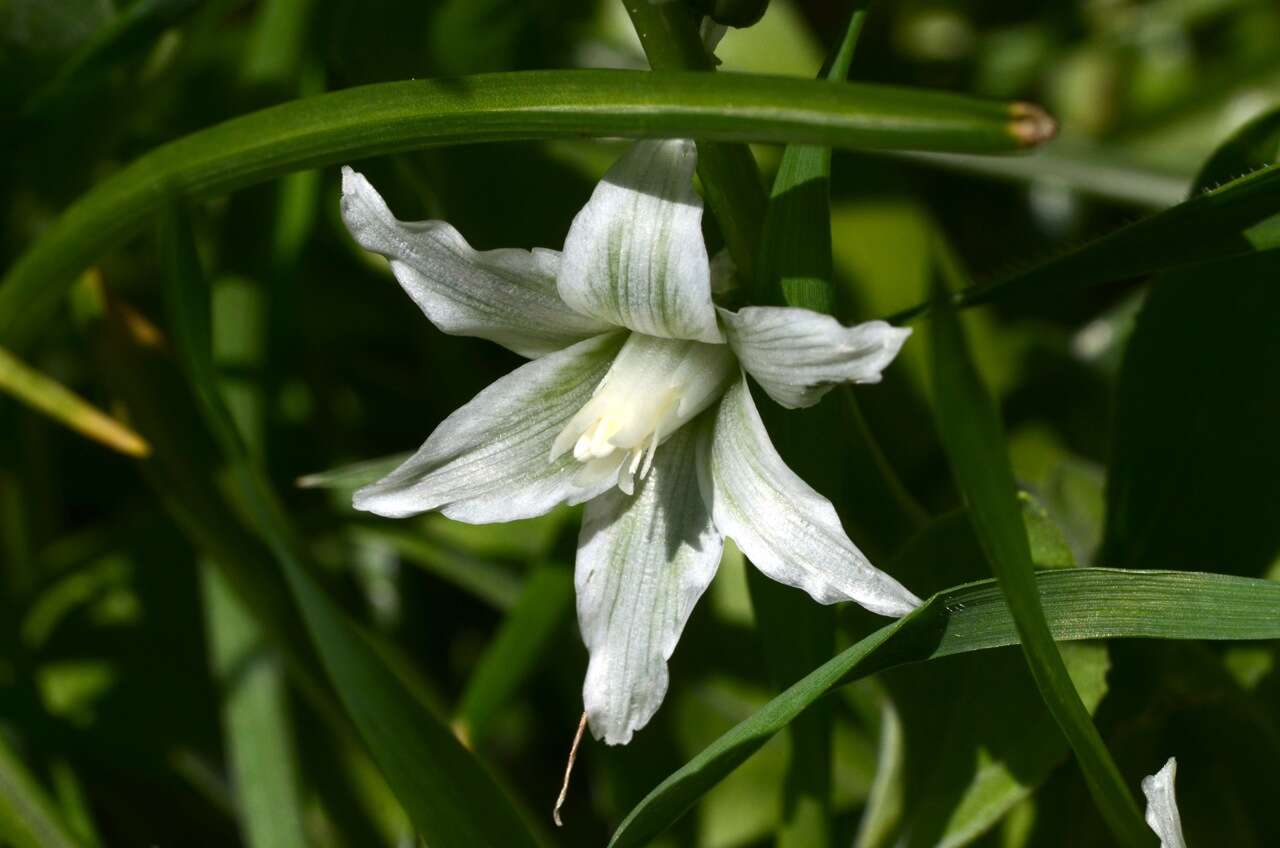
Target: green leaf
(27, 815)
(61, 404)
(257, 726)
(520, 645)
(795, 263)
(1252, 147)
(389, 117)
(449, 796)
(1079, 604)
(973, 439)
(256, 720)
(1207, 227)
(795, 251)
(1195, 465)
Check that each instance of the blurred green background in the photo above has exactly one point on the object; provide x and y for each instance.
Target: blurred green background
(152, 708)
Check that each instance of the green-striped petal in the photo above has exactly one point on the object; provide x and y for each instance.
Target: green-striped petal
(507, 295)
(635, 256)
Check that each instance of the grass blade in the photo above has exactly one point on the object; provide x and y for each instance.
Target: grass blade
(372, 120)
(973, 439)
(795, 262)
(259, 737)
(1079, 603)
(1205, 228)
(61, 404)
(27, 817)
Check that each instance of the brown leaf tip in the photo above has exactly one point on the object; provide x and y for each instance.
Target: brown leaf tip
(1031, 125)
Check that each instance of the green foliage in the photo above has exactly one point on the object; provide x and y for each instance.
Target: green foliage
(194, 650)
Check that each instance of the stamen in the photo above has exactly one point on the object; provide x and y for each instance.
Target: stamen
(582, 447)
(648, 455)
(605, 429)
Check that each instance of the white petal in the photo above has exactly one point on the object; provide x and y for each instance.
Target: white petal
(798, 355)
(643, 562)
(1162, 806)
(789, 531)
(507, 296)
(635, 256)
(487, 462)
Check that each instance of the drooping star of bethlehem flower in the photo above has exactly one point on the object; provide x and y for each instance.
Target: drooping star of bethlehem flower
(635, 403)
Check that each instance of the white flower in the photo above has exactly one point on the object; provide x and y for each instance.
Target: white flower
(1162, 806)
(635, 402)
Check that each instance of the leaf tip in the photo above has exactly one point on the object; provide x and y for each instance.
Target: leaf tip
(1031, 124)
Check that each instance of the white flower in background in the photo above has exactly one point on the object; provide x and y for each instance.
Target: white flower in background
(1162, 806)
(635, 402)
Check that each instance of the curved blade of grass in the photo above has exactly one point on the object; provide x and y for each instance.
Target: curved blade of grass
(1205, 228)
(61, 404)
(255, 717)
(27, 817)
(377, 119)
(449, 796)
(1079, 603)
(973, 439)
(795, 263)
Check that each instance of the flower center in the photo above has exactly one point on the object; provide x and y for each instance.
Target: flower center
(654, 387)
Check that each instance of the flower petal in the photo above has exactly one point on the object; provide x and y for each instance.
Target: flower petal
(798, 355)
(1162, 806)
(789, 531)
(643, 562)
(507, 296)
(488, 461)
(635, 256)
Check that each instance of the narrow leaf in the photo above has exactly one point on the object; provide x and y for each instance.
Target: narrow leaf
(378, 119)
(27, 816)
(795, 263)
(1079, 603)
(1209, 226)
(60, 403)
(973, 439)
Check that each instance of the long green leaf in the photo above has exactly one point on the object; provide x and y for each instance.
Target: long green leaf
(255, 716)
(256, 720)
(60, 403)
(449, 796)
(1208, 227)
(1079, 603)
(973, 439)
(27, 817)
(795, 263)
(389, 117)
